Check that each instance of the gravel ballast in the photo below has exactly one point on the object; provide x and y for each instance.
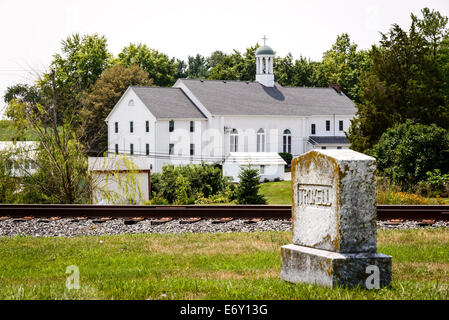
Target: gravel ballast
(92, 227)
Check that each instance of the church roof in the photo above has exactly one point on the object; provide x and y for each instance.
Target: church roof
(264, 50)
(317, 140)
(251, 98)
(167, 103)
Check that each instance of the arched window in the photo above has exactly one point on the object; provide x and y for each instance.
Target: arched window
(131, 103)
(171, 126)
(261, 140)
(234, 141)
(287, 141)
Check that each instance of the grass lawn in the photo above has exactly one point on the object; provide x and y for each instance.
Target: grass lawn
(204, 266)
(277, 192)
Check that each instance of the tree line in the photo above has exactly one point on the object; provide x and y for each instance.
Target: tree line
(403, 78)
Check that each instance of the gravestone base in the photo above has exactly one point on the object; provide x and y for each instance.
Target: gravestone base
(315, 266)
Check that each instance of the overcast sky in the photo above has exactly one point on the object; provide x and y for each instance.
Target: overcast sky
(31, 31)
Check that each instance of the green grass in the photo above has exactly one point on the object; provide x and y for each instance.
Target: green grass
(205, 266)
(277, 192)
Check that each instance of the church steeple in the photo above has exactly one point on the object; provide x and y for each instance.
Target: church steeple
(264, 65)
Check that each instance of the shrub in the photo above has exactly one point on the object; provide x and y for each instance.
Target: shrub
(266, 180)
(406, 152)
(277, 179)
(202, 179)
(391, 194)
(247, 191)
(156, 201)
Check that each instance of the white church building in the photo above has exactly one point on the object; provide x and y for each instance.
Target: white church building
(234, 123)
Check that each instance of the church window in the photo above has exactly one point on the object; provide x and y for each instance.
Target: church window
(171, 148)
(328, 125)
(131, 103)
(147, 126)
(192, 126)
(116, 148)
(287, 141)
(339, 148)
(313, 129)
(192, 149)
(147, 146)
(261, 140)
(171, 126)
(262, 169)
(116, 127)
(340, 125)
(131, 126)
(323, 148)
(234, 142)
(131, 149)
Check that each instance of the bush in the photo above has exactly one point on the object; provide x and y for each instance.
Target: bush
(199, 179)
(266, 180)
(155, 200)
(277, 179)
(406, 152)
(391, 194)
(247, 191)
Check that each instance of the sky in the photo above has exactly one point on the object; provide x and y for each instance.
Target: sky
(32, 31)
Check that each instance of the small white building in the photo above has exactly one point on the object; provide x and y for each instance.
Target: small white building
(207, 120)
(269, 164)
(120, 180)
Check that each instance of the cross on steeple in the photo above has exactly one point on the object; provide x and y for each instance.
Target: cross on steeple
(264, 39)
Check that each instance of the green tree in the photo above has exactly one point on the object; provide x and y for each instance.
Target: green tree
(215, 58)
(236, 66)
(160, 67)
(343, 65)
(247, 191)
(103, 96)
(81, 62)
(405, 81)
(60, 158)
(197, 67)
(406, 152)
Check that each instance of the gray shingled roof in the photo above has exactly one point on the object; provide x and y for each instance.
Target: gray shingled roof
(315, 140)
(251, 98)
(168, 103)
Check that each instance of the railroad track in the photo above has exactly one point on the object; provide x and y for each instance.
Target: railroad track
(384, 212)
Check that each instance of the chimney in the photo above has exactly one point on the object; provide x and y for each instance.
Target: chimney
(336, 87)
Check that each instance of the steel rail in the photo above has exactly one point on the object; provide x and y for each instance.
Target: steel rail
(384, 212)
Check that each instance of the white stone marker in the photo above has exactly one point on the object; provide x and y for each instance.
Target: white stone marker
(334, 222)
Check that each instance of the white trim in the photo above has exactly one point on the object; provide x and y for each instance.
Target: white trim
(120, 100)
